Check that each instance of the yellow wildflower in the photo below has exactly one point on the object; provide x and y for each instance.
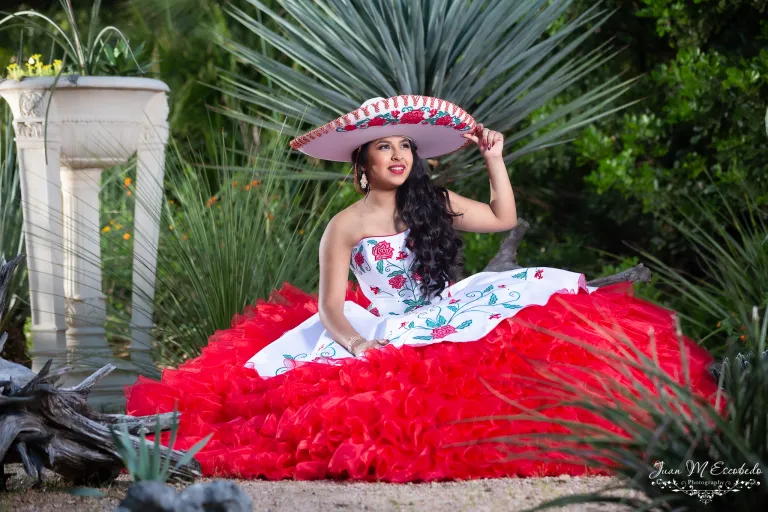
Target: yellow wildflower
(106, 229)
(57, 66)
(111, 221)
(301, 232)
(118, 226)
(127, 182)
(171, 201)
(15, 72)
(46, 71)
(170, 227)
(127, 236)
(34, 65)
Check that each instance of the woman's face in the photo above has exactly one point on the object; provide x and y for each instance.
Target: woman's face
(389, 162)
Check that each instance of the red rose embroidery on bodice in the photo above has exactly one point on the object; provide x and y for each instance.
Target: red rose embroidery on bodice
(383, 266)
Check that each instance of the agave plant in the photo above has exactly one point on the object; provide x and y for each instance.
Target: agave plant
(501, 61)
(145, 465)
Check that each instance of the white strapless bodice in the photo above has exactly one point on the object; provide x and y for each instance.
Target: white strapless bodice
(384, 268)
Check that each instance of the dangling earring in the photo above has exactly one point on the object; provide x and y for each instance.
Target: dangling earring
(364, 182)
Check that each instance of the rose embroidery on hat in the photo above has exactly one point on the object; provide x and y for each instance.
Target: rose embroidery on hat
(408, 115)
(413, 117)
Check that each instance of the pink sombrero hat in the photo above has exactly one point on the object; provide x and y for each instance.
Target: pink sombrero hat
(435, 126)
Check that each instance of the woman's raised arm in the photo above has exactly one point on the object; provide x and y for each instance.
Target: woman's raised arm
(501, 213)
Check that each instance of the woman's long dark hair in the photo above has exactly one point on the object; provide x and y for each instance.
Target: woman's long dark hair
(425, 209)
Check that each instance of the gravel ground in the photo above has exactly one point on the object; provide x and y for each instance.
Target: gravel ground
(501, 494)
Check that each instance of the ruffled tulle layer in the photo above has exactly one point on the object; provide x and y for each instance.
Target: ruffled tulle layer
(397, 415)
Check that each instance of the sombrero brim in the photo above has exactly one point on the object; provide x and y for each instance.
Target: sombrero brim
(435, 125)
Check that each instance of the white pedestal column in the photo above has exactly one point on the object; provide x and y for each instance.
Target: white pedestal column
(147, 217)
(84, 300)
(92, 123)
(42, 206)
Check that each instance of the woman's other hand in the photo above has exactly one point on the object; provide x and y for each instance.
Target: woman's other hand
(360, 347)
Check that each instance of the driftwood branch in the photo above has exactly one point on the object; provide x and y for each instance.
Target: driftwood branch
(638, 274)
(506, 259)
(138, 424)
(91, 380)
(46, 426)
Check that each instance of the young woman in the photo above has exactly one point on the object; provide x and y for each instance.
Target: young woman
(414, 376)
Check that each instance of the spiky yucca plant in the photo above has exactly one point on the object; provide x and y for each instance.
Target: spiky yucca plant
(501, 61)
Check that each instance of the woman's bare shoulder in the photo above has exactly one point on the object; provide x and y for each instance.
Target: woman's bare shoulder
(346, 227)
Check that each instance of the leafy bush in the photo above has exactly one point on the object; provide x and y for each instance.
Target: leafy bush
(12, 243)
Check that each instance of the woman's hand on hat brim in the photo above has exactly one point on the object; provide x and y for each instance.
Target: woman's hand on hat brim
(489, 142)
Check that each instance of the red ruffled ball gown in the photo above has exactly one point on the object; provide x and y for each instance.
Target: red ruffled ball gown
(285, 401)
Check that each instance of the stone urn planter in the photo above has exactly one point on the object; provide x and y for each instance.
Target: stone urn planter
(92, 123)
